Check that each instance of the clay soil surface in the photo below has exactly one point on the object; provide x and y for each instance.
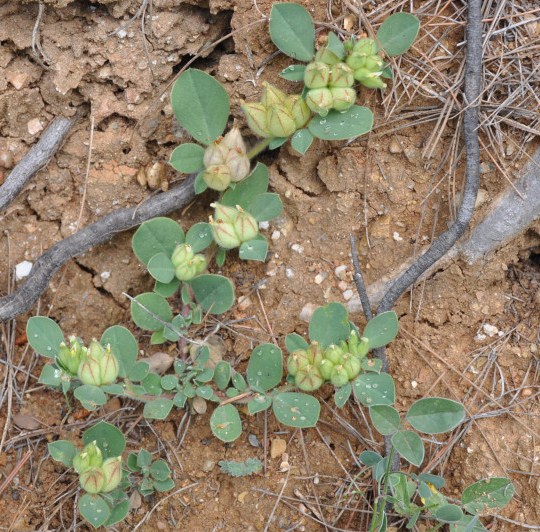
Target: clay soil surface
(469, 332)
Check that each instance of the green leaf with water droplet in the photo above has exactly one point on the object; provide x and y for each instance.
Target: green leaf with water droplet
(159, 235)
(259, 403)
(329, 325)
(302, 140)
(292, 30)
(297, 410)
(487, 494)
(374, 389)
(94, 509)
(108, 438)
(397, 33)
(265, 206)
(62, 451)
(123, 345)
(90, 396)
(199, 236)
(222, 374)
(341, 395)
(293, 73)
(158, 409)
(225, 423)
(44, 336)
(381, 329)
(51, 376)
(200, 104)
(187, 158)
(214, 293)
(265, 367)
(352, 123)
(255, 249)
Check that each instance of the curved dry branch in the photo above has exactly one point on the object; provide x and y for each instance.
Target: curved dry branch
(97, 233)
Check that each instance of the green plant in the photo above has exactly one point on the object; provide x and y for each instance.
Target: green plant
(240, 469)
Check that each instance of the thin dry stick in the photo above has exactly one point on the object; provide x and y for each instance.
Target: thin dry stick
(88, 162)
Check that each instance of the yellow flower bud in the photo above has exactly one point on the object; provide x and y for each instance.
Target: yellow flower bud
(217, 177)
(112, 471)
(316, 75)
(256, 118)
(280, 121)
(320, 101)
(272, 95)
(343, 99)
(299, 110)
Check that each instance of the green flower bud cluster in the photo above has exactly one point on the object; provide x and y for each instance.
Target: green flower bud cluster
(277, 114)
(366, 64)
(232, 226)
(97, 475)
(186, 263)
(330, 82)
(226, 161)
(312, 367)
(98, 366)
(70, 358)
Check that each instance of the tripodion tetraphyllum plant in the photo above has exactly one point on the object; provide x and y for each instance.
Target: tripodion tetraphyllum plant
(337, 355)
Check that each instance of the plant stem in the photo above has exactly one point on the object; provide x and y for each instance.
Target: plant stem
(258, 148)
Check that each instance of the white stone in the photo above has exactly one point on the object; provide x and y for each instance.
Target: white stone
(105, 275)
(414, 384)
(307, 311)
(298, 248)
(121, 33)
(348, 295)
(340, 272)
(490, 330)
(34, 126)
(480, 337)
(289, 273)
(320, 277)
(275, 235)
(264, 225)
(22, 270)
(396, 237)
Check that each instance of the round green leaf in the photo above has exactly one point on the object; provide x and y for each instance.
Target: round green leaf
(301, 140)
(90, 396)
(244, 192)
(94, 509)
(294, 341)
(158, 409)
(329, 325)
(187, 158)
(335, 45)
(409, 445)
(222, 374)
(298, 410)
(150, 310)
(382, 329)
(375, 389)
(159, 235)
(259, 403)
(449, 513)
(201, 105)
(200, 184)
(214, 293)
(199, 236)
(293, 73)
(397, 33)
(352, 123)
(292, 30)
(341, 396)
(434, 415)
(255, 249)
(225, 423)
(370, 458)
(118, 513)
(44, 336)
(265, 206)
(160, 470)
(62, 451)
(51, 376)
(385, 419)
(265, 367)
(167, 289)
(108, 438)
(161, 268)
(123, 345)
(169, 382)
(487, 494)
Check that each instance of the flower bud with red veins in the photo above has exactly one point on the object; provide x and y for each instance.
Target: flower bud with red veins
(224, 234)
(333, 353)
(92, 480)
(217, 177)
(325, 368)
(90, 456)
(356, 61)
(326, 56)
(280, 121)
(245, 226)
(298, 360)
(320, 101)
(272, 96)
(365, 46)
(351, 364)
(89, 371)
(342, 76)
(182, 253)
(299, 110)
(256, 117)
(339, 376)
(112, 471)
(343, 99)
(233, 141)
(224, 213)
(95, 350)
(309, 379)
(215, 153)
(238, 164)
(316, 75)
(108, 367)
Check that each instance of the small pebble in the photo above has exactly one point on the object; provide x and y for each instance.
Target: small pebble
(34, 126)
(340, 272)
(275, 235)
(298, 248)
(277, 447)
(6, 159)
(414, 384)
(289, 273)
(307, 311)
(26, 422)
(396, 237)
(480, 337)
(348, 294)
(244, 302)
(22, 270)
(320, 277)
(208, 465)
(342, 285)
(264, 225)
(395, 146)
(490, 330)
(105, 276)
(253, 440)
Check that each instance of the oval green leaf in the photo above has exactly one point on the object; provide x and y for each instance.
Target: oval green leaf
(375, 389)
(265, 367)
(341, 396)
(158, 409)
(487, 494)
(294, 341)
(293, 73)
(161, 268)
(370, 458)
(214, 293)
(159, 235)
(187, 158)
(199, 236)
(397, 33)
(94, 509)
(329, 325)
(200, 104)
(108, 438)
(259, 403)
(255, 249)
(62, 451)
(167, 289)
(382, 329)
(434, 415)
(225, 423)
(150, 310)
(118, 513)
(292, 30)
(302, 140)
(449, 513)
(222, 374)
(90, 396)
(298, 410)
(409, 445)
(385, 419)
(245, 191)
(123, 345)
(352, 123)
(265, 206)
(44, 336)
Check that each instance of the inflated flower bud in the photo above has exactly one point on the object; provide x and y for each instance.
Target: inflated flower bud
(351, 364)
(199, 262)
(280, 121)
(365, 46)
(324, 55)
(238, 164)
(343, 99)
(108, 367)
(185, 271)
(217, 177)
(215, 153)
(348, 45)
(309, 379)
(355, 61)
(299, 110)
(224, 213)
(372, 82)
(69, 358)
(245, 226)
(316, 75)
(325, 368)
(95, 350)
(342, 76)
(233, 141)
(182, 253)
(224, 234)
(272, 96)
(89, 371)
(256, 117)
(89, 457)
(374, 63)
(298, 360)
(319, 101)
(92, 480)
(315, 353)
(112, 471)
(333, 353)
(339, 376)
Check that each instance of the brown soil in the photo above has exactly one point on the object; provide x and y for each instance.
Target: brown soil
(328, 194)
